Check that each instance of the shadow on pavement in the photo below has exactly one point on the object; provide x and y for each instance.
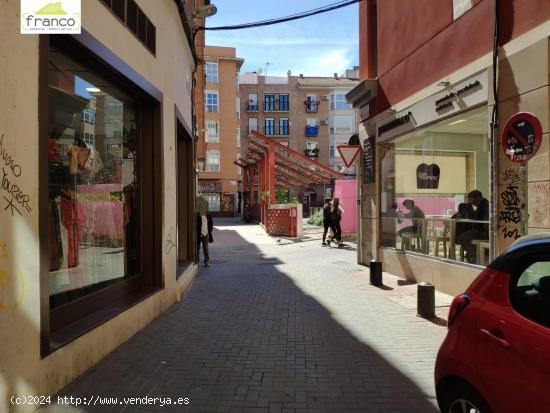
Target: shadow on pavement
(247, 338)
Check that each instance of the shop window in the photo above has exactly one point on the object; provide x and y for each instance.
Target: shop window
(96, 196)
(426, 178)
(214, 201)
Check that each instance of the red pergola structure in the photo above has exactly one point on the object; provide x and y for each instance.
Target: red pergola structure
(278, 166)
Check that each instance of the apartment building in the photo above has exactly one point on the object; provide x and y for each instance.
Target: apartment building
(220, 140)
(308, 114)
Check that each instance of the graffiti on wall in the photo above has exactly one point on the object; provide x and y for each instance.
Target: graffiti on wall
(511, 213)
(538, 206)
(15, 198)
(12, 283)
(170, 241)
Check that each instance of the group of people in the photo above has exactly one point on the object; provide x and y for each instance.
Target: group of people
(476, 209)
(332, 216)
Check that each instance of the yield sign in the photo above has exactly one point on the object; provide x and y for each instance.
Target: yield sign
(349, 153)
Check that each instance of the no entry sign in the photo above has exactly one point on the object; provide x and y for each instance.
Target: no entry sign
(521, 137)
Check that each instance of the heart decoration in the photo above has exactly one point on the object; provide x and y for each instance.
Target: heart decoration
(427, 176)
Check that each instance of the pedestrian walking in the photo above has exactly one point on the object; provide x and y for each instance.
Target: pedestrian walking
(326, 220)
(336, 213)
(205, 225)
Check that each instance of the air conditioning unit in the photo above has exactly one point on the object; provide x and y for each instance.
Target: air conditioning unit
(324, 97)
(324, 122)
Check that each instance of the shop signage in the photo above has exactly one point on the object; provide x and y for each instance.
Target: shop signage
(427, 176)
(50, 17)
(210, 187)
(459, 97)
(521, 137)
(396, 123)
(369, 157)
(446, 102)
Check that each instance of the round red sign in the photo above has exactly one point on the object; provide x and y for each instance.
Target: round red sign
(521, 137)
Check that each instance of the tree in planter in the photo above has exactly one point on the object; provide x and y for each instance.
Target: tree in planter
(281, 196)
(264, 196)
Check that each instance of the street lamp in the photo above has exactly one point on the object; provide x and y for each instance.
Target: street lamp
(205, 11)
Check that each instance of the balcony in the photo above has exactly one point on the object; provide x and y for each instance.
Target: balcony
(312, 131)
(311, 106)
(312, 153)
(252, 108)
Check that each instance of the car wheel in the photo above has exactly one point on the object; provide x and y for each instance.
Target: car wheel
(462, 398)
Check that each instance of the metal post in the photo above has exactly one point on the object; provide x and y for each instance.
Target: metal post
(426, 300)
(375, 268)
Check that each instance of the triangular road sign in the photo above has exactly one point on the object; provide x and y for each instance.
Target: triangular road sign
(349, 153)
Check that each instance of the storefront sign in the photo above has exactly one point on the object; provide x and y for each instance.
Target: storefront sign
(50, 17)
(396, 123)
(521, 137)
(454, 99)
(427, 176)
(369, 158)
(210, 187)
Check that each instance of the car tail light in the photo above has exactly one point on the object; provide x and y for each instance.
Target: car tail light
(459, 303)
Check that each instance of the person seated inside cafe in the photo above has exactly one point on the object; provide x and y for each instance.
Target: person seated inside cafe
(415, 214)
(479, 230)
(465, 211)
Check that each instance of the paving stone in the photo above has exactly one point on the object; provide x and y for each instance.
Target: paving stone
(278, 327)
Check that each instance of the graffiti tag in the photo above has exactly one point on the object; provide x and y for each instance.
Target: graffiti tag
(170, 243)
(16, 200)
(513, 175)
(512, 213)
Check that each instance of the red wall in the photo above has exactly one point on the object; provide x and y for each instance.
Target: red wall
(419, 44)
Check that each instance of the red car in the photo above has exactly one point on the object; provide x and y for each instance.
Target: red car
(496, 356)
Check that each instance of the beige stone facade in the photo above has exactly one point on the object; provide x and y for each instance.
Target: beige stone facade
(35, 358)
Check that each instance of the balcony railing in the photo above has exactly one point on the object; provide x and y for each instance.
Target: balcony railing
(252, 108)
(312, 153)
(311, 106)
(312, 131)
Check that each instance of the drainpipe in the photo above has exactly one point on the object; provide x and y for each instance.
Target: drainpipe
(493, 222)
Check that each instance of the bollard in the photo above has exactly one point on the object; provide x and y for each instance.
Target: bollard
(426, 300)
(375, 273)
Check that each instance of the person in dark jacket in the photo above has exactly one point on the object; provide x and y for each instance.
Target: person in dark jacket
(479, 230)
(205, 225)
(336, 213)
(326, 220)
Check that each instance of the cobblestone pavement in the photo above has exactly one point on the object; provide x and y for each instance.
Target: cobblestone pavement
(276, 325)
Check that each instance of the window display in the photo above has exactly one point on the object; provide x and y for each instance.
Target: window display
(434, 189)
(93, 154)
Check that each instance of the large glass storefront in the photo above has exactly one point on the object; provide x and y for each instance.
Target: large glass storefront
(100, 169)
(435, 183)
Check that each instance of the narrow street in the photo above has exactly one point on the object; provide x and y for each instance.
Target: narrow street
(276, 325)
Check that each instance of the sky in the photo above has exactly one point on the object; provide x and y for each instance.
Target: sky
(319, 45)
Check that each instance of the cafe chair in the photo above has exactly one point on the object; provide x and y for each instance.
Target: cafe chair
(417, 237)
(437, 236)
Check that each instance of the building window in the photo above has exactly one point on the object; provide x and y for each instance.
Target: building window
(212, 131)
(338, 102)
(252, 102)
(311, 103)
(135, 19)
(285, 143)
(211, 71)
(341, 124)
(211, 101)
(425, 177)
(283, 102)
(239, 169)
(269, 103)
(96, 199)
(269, 126)
(238, 107)
(238, 137)
(283, 126)
(252, 124)
(212, 161)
